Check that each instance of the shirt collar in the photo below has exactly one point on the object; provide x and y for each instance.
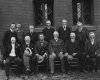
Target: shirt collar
(11, 30)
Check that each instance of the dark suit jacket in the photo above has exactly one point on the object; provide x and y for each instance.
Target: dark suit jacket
(24, 46)
(71, 48)
(21, 36)
(41, 48)
(8, 51)
(91, 49)
(7, 37)
(33, 36)
(56, 47)
(64, 35)
(82, 37)
(48, 33)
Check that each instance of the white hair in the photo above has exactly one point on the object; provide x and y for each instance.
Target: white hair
(31, 26)
(72, 34)
(27, 38)
(55, 32)
(91, 33)
(79, 23)
(48, 21)
(13, 38)
(64, 20)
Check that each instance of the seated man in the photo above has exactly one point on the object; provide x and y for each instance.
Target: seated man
(11, 53)
(56, 50)
(71, 49)
(41, 50)
(27, 54)
(92, 50)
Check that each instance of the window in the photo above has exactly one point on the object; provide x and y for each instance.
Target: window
(83, 11)
(43, 12)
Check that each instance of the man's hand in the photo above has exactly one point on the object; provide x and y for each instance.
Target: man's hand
(70, 57)
(4, 61)
(54, 54)
(95, 53)
(74, 54)
(37, 55)
(66, 54)
(60, 53)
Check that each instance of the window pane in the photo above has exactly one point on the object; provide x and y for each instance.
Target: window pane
(82, 11)
(43, 12)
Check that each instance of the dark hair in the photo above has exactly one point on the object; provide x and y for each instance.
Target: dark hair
(41, 34)
(12, 23)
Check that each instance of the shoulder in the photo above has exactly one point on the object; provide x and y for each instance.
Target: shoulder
(61, 40)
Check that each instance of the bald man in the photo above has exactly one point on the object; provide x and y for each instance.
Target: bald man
(56, 48)
(92, 50)
(33, 35)
(82, 35)
(71, 50)
(11, 53)
(64, 31)
(48, 31)
(27, 51)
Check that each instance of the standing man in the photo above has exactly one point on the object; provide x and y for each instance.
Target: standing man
(82, 37)
(41, 50)
(8, 34)
(20, 34)
(92, 50)
(11, 53)
(33, 35)
(48, 31)
(56, 48)
(64, 31)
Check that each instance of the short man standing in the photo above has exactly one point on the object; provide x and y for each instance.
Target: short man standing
(12, 53)
(33, 35)
(92, 50)
(20, 34)
(82, 37)
(56, 48)
(48, 31)
(64, 31)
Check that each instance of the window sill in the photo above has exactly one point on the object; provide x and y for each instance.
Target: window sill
(89, 27)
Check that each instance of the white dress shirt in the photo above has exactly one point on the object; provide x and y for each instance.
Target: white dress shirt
(92, 41)
(64, 28)
(12, 53)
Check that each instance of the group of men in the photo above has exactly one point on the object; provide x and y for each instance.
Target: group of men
(48, 45)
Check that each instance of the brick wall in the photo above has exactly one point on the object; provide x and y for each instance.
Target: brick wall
(63, 10)
(18, 11)
(97, 17)
(22, 11)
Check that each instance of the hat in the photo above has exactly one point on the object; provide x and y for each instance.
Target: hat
(40, 59)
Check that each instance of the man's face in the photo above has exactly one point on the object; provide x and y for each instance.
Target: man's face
(92, 36)
(72, 37)
(80, 26)
(41, 37)
(27, 40)
(56, 35)
(64, 23)
(12, 26)
(48, 24)
(13, 41)
(18, 26)
(31, 28)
